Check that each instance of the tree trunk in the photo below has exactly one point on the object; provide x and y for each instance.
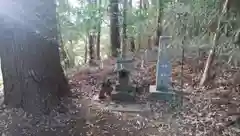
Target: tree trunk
(32, 73)
(63, 54)
(139, 37)
(140, 4)
(145, 4)
(132, 44)
(149, 42)
(91, 49)
(99, 32)
(130, 3)
(159, 28)
(124, 33)
(114, 27)
(132, 39)
(206, 75)
(86, 50)
(71, 54)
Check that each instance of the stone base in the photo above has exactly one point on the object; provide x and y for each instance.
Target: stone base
(124, 107)
(123, 97)
(137, 108)
(165, 95)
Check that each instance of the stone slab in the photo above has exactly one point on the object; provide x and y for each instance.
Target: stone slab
(125, 107)
(123, 97)
(150, 55)
(166, 95)
(129, 108)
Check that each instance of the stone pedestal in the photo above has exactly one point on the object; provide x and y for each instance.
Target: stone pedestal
(150, 55)
(165, 94)
(124, 92)
(124, 64)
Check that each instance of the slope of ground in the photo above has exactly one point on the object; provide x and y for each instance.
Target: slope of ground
(203, 112)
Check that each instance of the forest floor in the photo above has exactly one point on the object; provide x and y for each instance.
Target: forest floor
(211, 111)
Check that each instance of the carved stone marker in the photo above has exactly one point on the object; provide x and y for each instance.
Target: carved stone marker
(163, 72)
(163, 67)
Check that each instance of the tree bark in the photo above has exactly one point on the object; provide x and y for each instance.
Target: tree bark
(139, 37)
(145, 4)
(99, 31)
(159, 29)
(140, 4)
(91, 49)
(86, 50)
(71, 55)
(114, 27)
(32, 74)
(132, 42)
(124, 27)
(207, 71)
(130, 3)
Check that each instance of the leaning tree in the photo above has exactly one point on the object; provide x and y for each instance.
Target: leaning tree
(32, 74)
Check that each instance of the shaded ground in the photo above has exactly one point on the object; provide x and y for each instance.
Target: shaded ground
(85, 117)
(86, 120)
(204, 112)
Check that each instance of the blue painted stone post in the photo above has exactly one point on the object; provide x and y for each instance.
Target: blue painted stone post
(163, 67)
(162, 88)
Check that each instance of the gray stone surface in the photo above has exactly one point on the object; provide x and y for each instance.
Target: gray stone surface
(125, 107)
(164, 69)
(150, 55)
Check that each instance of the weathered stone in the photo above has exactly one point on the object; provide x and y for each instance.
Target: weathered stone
(150, 55)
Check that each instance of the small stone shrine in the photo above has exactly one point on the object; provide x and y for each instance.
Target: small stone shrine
(124, 91)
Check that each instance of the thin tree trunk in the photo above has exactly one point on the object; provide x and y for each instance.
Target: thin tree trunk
(159, 29)
(132, 44)
(139, 34)
(206, 74)
(140, 4)
(114, 27)
(145, 4)
(130, 3)
(99, 32)
(91, 49)
(86, 50)
(71, 55)
(124, 38)
(149, 42)
(132, 39)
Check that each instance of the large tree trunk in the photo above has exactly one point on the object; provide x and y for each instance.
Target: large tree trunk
(32, 74)
(114, 27)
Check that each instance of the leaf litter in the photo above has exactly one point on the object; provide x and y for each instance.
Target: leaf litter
(203, 112)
